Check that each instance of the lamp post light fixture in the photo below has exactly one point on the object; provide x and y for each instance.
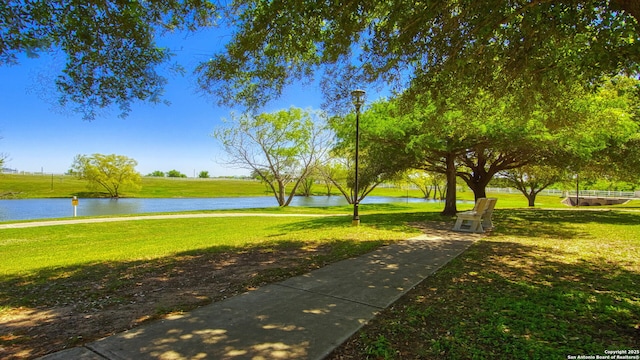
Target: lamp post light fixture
(358, 99)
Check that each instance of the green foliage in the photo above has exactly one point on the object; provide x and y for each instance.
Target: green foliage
(430, 184)
(175, 174)
(379, 348)
(340, 173)
(157, 173)
(280, 148)
(530, 180)
(379, 158)
(476, 135)
(306, 186)
(110, 48)
(203, 175)
(616, 154)
(494, 45)
(608, 185)
(108, 172)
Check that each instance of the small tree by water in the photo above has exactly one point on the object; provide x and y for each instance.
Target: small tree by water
(108, 172)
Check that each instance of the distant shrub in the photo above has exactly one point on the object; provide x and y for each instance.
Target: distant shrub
(175, 174)
(157, 173)
(203, 175)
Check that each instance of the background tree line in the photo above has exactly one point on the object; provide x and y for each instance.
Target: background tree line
(475, 139)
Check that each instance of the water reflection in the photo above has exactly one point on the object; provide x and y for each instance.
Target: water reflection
(26, 209)
(108, 206)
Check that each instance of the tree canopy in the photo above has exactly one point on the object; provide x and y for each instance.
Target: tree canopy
(476, 135)
(112, 56)
(280, 148)
(530, 180)
(378, 158)
(108, 172)
(497, 45)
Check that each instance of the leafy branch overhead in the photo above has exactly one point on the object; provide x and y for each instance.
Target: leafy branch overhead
(434, 46)
(414, 47)
(112, 56)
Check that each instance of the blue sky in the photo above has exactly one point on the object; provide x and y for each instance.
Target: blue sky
(37, 137)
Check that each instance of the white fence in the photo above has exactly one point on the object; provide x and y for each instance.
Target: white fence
(550, 192)
(569, 193)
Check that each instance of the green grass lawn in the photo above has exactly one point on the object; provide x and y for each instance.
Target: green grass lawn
(544, 285)
(35, 258)
(29, 251)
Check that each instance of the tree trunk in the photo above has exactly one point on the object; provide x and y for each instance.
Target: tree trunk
(307, 184)
(438, 192)
(329, 187)
(450, 207)
(480, 191)
(281, 194)
(348, 196)
(426, 191)
(532, 199)
(478, 182)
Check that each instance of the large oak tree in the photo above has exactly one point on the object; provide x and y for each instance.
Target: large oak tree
(421, 46)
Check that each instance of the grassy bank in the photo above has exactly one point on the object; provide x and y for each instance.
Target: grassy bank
(544, 285)
(63, 186)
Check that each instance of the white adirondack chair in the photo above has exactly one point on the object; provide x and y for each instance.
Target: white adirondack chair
(471, 221)
(488, 212)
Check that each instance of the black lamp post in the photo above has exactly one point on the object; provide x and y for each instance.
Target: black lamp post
(577, 190)
(358, 100)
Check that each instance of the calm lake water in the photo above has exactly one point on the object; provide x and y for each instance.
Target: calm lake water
(27, 209)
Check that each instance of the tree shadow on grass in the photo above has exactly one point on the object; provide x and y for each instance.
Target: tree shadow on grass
(555, 223)
(511, 222)
(561, 216)
(91, 195)
(56, 308)
(503, 299)
(549, 303)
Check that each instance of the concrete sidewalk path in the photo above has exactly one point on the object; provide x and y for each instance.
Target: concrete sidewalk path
(92, 220)
(305, 317)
